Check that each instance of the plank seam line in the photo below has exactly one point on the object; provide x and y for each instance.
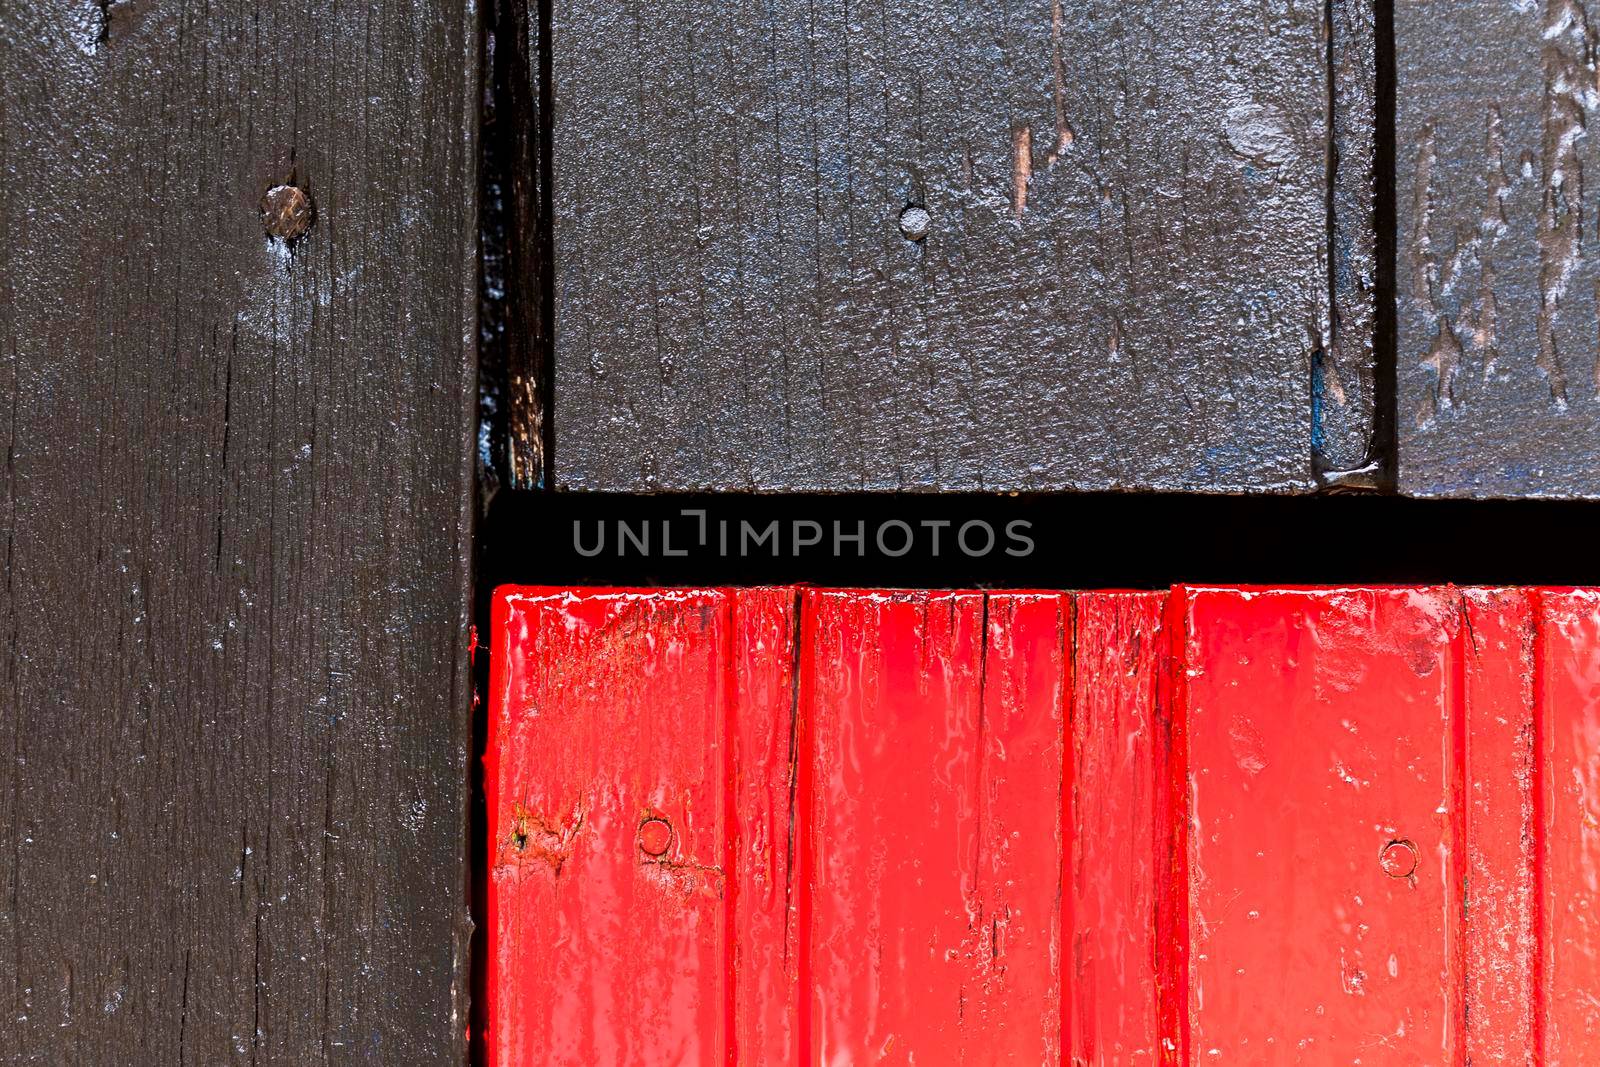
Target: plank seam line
(1172, 919)
(1067, 639)
(800, 827)
(731, 845)
(1539, 773)
(1385, 217)
(1458, 960)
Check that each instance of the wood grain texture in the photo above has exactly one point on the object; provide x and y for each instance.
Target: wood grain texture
(1123, 282)
(1499, 344)
(1275, 826)
(620, 722)
(1498, 729)
(1118, 828)
(236, 704)
(612, 711)
(934, 827)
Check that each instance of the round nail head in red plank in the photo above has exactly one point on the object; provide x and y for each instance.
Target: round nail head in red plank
(655, 837)
(1399, 859)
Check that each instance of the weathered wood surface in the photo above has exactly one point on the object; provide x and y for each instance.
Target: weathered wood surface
(1124, 279)
(235, 707)
(1499, 345)
(1344, 386)
(1262, 825)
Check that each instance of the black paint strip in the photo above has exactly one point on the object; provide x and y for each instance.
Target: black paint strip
(1080, 541)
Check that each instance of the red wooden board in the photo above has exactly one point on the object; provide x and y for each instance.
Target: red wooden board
(779, 826)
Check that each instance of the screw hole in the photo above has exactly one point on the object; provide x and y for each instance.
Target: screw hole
(655, 837)
(1399, 858)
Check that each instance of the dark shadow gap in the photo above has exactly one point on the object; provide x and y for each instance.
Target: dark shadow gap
(546, 250)
(498, 139)
(1065, 541)
(514, 436)
(1385, 341)
(1320, 357)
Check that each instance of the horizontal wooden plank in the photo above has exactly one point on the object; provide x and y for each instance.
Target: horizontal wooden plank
(1260, 825)
(906, 245)
(1498, 360)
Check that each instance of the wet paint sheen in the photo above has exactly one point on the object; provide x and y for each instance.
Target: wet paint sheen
(774, 826)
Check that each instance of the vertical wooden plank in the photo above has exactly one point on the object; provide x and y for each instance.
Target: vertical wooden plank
(1012, 1011)
(608, 828)
(235, 518)
(1498, 908)
(935, 868)
(643, 748)
(1568, 702)
(895, 704)
(1326, 825)
(767, 740)
(1115, 812)
(902, 244)
(1498, 360)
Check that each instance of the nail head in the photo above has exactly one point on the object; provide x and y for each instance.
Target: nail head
(286, 212)
(655, 837)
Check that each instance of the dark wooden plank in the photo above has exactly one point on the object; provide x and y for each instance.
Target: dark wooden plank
(1497, 354)
(1122, 283)
(236, 513)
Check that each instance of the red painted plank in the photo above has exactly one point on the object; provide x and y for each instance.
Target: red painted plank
(935, 787)
(893, 704)
(1567, 650)
(1012, 1009)
(1496, 673)
(1322, 770)
(1288, 826)
(1118, 817)
(608, 792)
(765, 956)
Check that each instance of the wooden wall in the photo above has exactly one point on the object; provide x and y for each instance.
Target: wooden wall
(905, 245)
